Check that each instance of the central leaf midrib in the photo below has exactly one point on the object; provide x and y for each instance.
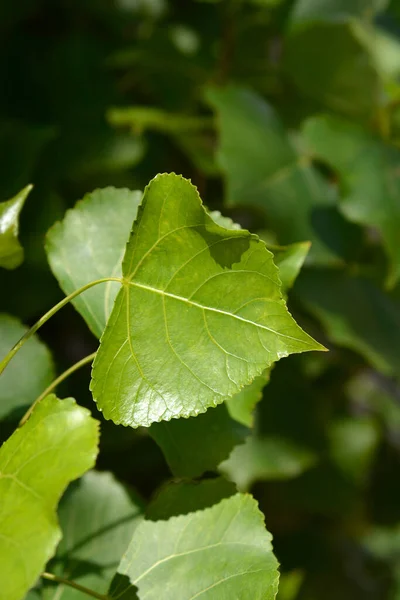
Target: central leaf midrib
(210, 308)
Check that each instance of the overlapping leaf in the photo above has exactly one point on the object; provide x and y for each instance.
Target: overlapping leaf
(97, 519)
(263, 169)
(369, 178)
(56, 445)
(217, 553)
(33, 361)
(199, 316)
(11, 251)
(89, 244)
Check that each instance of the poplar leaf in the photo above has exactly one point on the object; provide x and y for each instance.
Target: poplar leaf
(11, 251)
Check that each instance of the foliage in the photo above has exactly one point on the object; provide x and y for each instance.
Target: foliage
(284, 114)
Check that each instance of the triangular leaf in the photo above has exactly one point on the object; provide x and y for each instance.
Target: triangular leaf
(219, 552)
(199, 316)
(11, 251)
(56, 445)
(33, 360)
(89, 244)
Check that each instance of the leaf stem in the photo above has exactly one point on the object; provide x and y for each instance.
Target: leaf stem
(47, 316)
(54, 384)
(74, 585)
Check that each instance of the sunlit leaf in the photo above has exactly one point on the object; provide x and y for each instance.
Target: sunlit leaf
(97, 518)
(219, 552)
(30, 371)
(89, 244)
(199, 315)
(11, 251)
(56, 445)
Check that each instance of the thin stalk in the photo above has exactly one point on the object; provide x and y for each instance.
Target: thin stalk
(74, 585)
(47, 316)
(54, 384)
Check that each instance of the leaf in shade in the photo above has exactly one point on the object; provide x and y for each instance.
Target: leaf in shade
(289, 260)
(97, 517)
(11, 251)
(241, 406)
(264, 170)
(219, 552)
(34, 361)
(198, 444)
(355, 314)
(89, 244)
(57, 444)
(199, 316)
(335, 10)
(369, 176)
(183, 497)
(263, 459)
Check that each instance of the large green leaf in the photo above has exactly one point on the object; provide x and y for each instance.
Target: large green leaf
(355, 314)
(30, 371)
(265, 171)
(89, 244)
(199, 315)
(368, 172)
(97, 518)
(218, 553)
(266, 458)
(56, 445)
(11, 252)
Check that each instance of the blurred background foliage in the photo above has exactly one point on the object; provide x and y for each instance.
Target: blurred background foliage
(286, 115)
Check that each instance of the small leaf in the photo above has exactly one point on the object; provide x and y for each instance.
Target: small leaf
(140, 118)
(335, 10)
(97, 517)
(89, 244)
(241, 406)
(33, 361)
(289, 260)
(265, 171)
(198, 444)
(369, 177)
(11, 252)
(199, 316)
(263, 459)
(56, 445)
(219, 552)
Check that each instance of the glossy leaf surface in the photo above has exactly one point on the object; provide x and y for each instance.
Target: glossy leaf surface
(56, 445)
(11, 251)
(33, 361)
(89, 244)
(218, 553)
(199, 316)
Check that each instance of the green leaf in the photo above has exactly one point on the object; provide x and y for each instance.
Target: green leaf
(198, 444)
(219, 552)
(241, 406)
(355, 314)
(89, 244)
(289, 260)
(260, 459)
(265, 171)
(342, 76)
(199, 315)
(28, 374)
(11, 251)
(98, 517)
(56, 445)
(183, 497)
(335, 10)
(140, 118)
(368, 174)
